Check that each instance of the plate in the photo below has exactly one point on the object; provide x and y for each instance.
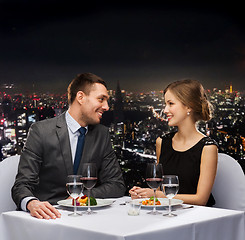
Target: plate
(100, 203)
(164, 202)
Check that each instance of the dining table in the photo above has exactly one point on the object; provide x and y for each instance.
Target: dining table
(111, 222)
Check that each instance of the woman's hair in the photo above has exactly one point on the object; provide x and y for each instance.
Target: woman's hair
(192, 94)
(82, 82)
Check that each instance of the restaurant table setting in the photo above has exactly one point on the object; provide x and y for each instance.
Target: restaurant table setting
(119, 219)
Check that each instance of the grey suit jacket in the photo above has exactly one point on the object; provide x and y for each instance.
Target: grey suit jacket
(46, 161)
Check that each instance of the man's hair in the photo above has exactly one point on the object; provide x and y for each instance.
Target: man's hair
(82, 82)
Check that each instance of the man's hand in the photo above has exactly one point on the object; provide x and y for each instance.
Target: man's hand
(42, 210)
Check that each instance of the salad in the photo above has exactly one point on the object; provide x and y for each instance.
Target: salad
(83, 201)
(150, 202)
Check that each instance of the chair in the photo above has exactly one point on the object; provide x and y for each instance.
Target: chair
(8, 171)
(229, 186)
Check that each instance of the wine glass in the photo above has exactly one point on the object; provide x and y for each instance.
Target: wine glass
(74, 187)
(89, 179)
(170, 188)
(154, 180)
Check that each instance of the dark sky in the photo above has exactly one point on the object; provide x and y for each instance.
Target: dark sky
(144, 46)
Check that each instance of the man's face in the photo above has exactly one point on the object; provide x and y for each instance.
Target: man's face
(94, 104)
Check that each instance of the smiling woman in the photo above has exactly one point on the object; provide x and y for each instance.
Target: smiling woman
(188, 95)
(187, 153)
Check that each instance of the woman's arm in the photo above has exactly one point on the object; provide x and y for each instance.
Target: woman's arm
(158, 148)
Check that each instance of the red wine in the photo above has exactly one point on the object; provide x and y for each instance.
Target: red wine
(89, 182)
(154, 183)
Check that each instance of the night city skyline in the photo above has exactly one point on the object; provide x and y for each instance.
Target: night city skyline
(144, 47)
(134, 122)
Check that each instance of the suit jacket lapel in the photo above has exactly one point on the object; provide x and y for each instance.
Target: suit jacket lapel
(64, 142)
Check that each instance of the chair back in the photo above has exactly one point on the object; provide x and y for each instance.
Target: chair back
(229, 186)
(8, 171)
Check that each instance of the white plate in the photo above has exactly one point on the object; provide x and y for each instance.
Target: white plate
(100, 203)
(164, 202)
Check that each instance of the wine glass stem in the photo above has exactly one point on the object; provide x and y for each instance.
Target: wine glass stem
(89, 210)
(75, 206)
(154, 202)
(169, 207)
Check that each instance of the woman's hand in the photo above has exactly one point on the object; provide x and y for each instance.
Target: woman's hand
(138, 192)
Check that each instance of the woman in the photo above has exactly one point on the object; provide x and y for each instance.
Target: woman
(187, 153)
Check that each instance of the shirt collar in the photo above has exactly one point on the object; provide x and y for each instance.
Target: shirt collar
(73, 124)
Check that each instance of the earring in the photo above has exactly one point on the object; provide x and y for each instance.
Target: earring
(188, 113)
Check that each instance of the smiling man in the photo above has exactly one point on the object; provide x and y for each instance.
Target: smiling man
(49, 153)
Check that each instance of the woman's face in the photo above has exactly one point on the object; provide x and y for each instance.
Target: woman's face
(175, 110)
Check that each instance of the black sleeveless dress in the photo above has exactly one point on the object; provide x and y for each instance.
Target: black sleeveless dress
(186, 164)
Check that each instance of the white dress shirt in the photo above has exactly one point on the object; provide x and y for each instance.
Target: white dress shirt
(73, 132)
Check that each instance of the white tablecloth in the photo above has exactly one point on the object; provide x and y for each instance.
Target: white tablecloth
(113, 222)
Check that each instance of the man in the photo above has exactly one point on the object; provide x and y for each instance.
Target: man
(48, 155)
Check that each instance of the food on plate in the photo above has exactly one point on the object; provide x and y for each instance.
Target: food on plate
(93, 202)
(150, 202)
(83, 201)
